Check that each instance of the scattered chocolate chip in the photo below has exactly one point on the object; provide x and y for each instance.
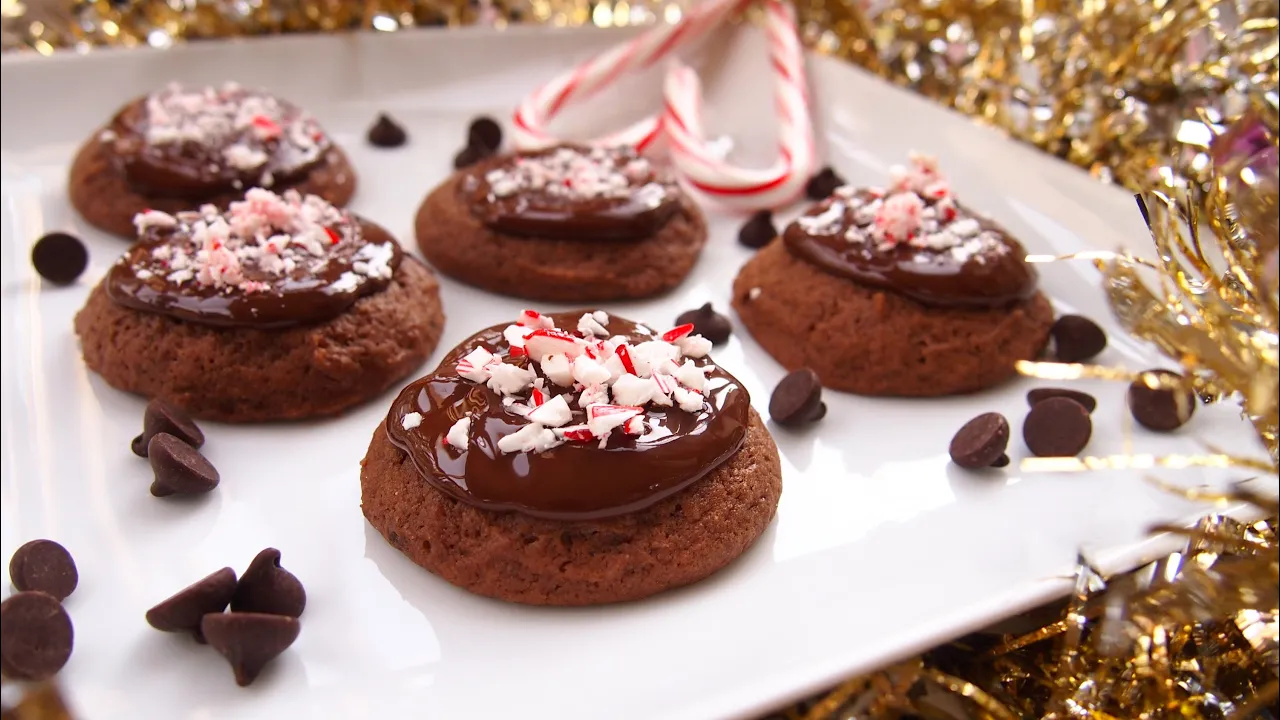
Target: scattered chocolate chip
(386, 133)
(183, 611)
(468, 156)
(1089, 402)
(1057, 427)
(486, 133)
(708, 323)
(821, 186)
(249, 640)
(797, 399)
(36, 636)
(268, 588)
(59, 257)
(46, 566)
(1077, 338)
(162, 417)
(179, 468)
(1160, 409)
(758, 231)
(981, 442)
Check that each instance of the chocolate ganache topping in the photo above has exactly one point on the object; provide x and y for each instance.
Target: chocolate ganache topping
(914, 239)
(197, 142)
(267, 261)
(571, 425)
(572, 193)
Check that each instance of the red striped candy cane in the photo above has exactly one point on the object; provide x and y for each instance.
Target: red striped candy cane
(540, 107)
(742, 187)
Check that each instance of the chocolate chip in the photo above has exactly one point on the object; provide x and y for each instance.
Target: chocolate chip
(758, 231)
(470, 155)
(797, 399)
(183, 611)
(486, 133)
(708, 323)
(268, 588)
(821, 186)
(36, 636)
(59, 257)
(1160, 409)
(162, 417)
(981, 442)
(1002, 461)
(249, 640)
(46, 566)
(386, 133)
(1039, 394)
(1057, 427)
(1077, 338)
(179, 468)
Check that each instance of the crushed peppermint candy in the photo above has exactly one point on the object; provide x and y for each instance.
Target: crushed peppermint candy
(247, 131)
(916, 213)
(258, 245)
(574, 174)
(584, 386)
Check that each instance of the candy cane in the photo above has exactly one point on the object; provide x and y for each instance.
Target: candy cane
(539, 108)
(728, 184)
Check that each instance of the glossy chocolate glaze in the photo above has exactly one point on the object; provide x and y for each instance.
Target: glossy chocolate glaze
(836, 236)
(573, 481)
(572, 193)
(317, 289)
(194, 143)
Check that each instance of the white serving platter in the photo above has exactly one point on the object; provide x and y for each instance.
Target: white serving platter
(880, 547)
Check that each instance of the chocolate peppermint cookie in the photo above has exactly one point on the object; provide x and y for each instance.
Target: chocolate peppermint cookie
(895, 292)
(281, 307)
(567, 224)
(589, 463)
(183, 147)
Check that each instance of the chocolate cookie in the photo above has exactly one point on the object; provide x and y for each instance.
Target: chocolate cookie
(566, 224)
(899, 293)
(572, 480)
(315, 312)
(180, 148)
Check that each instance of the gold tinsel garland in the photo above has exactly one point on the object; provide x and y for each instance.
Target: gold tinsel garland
(1175, 99)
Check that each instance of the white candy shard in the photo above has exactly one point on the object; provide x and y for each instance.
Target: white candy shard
(557, 369)
(651, 352)
(593, 395)
(459, 433)
(694, 346)
(544, 342)
(601, 317)
(615, 367)
(534, 320)
(578, 433)
(634, 426)
(632, 390)
(589, 372)
(552, 413)
(475, 365)
(692, 376)
(411, 420)
(688, 400)
(602, 419)
(530, 438)
(515, 335)
(589, 326)
(508, 379)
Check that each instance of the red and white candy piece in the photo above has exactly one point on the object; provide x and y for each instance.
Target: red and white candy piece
(537, 110)
(735, 186)
(550, 341)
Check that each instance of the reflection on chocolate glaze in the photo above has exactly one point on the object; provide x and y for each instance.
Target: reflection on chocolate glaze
(573, 481)
(193, 143)
(572, 193)
(194, 267)
(952, 257)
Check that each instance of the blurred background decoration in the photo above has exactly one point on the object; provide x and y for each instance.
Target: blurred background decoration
(1176, 100)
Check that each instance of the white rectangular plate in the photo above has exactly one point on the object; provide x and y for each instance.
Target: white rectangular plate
(880, 547)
